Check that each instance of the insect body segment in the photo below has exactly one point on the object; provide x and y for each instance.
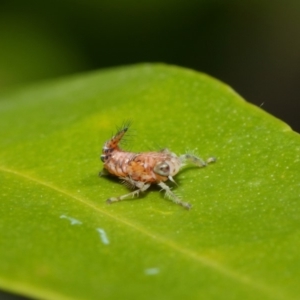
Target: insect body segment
(112, 145)
(140, 170)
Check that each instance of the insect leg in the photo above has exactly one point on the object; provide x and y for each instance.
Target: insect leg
(173, 197)
(195, 160)
(129, 182)
(165, 150)
(133, 194)
(103, 172)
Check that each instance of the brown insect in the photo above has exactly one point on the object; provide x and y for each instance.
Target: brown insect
(140, 170)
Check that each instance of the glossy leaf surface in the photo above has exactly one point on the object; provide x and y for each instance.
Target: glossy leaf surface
(58, 238)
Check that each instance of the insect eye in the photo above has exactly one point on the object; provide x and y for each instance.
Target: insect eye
(162, 169)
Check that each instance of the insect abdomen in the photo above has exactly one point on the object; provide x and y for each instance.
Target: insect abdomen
(112, 145)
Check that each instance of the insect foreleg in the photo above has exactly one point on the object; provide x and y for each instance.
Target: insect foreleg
(133, 194)
(173, 197)
(103, 172)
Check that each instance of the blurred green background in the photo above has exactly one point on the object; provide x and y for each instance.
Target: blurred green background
(254, 46)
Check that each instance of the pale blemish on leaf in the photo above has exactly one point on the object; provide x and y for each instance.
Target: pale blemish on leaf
(152, 271)
(72, 220)
(103, 236)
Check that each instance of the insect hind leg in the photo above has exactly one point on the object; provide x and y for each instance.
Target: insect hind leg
(195, 160)
(129, 195)
(173, 197)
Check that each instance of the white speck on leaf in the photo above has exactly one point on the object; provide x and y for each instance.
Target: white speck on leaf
(152, 271)
(72, 220)
(103, 236)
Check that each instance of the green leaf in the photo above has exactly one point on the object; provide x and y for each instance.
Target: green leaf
(59, 239)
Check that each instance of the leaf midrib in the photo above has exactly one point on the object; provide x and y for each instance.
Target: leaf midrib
(225, 271)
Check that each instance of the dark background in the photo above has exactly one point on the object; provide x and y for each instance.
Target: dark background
(254, 46)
